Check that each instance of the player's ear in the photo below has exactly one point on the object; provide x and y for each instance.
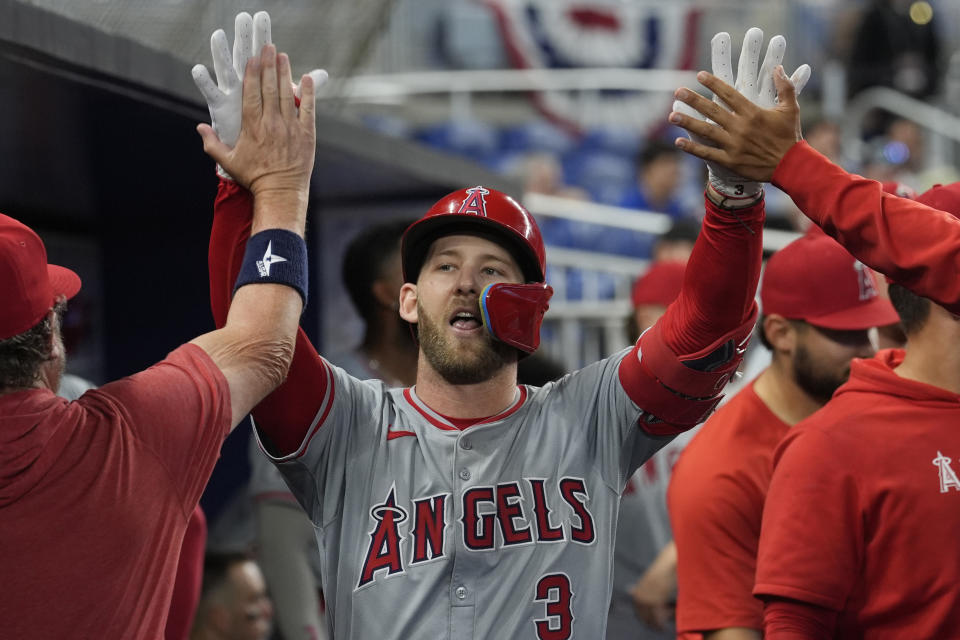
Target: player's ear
(408, 302)
(780, 333)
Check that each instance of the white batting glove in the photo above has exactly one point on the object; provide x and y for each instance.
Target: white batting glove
(225, 97)
(755, 82)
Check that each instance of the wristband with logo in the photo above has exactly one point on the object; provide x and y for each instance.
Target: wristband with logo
(275, 256)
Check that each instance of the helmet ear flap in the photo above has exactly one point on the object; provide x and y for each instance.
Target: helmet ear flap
(513, 313)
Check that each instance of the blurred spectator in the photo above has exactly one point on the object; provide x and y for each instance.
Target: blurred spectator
(658, 179)
(677, 243)
(818, 303)
(824, 136)
(896, 46)
(286, 539)
(644, 575)
(542, 173)
(234, 603)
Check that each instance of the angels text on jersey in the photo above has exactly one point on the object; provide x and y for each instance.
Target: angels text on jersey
(486, 518)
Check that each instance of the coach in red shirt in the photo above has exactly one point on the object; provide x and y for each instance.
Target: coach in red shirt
(95, 494)
(859, 535)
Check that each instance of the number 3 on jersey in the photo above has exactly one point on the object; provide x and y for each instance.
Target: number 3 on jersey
(554, 591)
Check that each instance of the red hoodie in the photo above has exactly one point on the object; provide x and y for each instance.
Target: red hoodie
(863, 512)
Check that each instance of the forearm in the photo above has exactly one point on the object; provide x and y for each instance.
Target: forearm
(284, 415)
(720, 283)
(916, 246)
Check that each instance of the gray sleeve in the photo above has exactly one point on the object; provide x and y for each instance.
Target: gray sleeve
(608, 418)
(347, 425)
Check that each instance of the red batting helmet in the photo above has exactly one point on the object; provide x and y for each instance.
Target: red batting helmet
(477, 210)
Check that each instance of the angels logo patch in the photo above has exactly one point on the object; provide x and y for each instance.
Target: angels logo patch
(475, 202)
(948, 477)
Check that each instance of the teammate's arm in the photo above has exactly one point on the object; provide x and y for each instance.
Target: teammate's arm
(273, 156)
(913, 244)
(286, 413)
(785, 619)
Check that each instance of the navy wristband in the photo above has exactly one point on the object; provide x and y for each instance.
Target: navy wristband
(276, 256)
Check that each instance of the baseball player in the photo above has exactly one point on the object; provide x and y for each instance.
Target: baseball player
(859, 536)
(468, 506)
(121, 469)
(896, 236)
(818, 304)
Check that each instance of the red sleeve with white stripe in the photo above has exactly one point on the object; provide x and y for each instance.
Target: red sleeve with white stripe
(284, 416)
(916, 246)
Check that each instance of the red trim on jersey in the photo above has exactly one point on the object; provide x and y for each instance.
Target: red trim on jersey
(443, 422)
(434, 420)
(393, 435)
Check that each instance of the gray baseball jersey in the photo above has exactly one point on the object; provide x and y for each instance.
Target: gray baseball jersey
(503, 530)
(643, 529)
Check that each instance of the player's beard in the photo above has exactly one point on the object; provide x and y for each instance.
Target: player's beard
(818, 381)
(461, 361)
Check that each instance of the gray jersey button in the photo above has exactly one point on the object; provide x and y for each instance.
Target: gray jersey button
(466, 444)
(464, 474)
(461, 592)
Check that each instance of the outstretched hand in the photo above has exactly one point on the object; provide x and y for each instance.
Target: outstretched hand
(276, 145)
(749, 140)
(224, 97)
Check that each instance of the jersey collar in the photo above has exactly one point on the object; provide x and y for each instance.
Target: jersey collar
(440, 422)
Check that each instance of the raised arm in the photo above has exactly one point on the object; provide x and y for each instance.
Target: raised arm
(273, 157)
(915, 245)
(699, 342)
(287, 412)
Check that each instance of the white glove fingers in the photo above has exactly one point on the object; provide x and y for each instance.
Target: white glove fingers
(720, 57)
(319, 77)
(261, 31)
(242, 42)
(209, 89)
(749, 63)
(800, 78)
(767, 96)
(223, 62)
(687, 110)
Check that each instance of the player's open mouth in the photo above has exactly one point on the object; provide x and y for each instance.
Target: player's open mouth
(465, 320)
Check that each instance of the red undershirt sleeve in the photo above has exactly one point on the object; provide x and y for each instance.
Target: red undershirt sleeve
(286, 414)
(785, 619)
(916, 246)
(720, 282)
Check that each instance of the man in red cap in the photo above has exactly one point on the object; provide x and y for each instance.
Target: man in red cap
(95, 494)
(817, 303)
(860, 528)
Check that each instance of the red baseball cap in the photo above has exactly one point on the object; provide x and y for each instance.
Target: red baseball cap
(945, 197)
(29, 286)
(660, 284)
(814, 279)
